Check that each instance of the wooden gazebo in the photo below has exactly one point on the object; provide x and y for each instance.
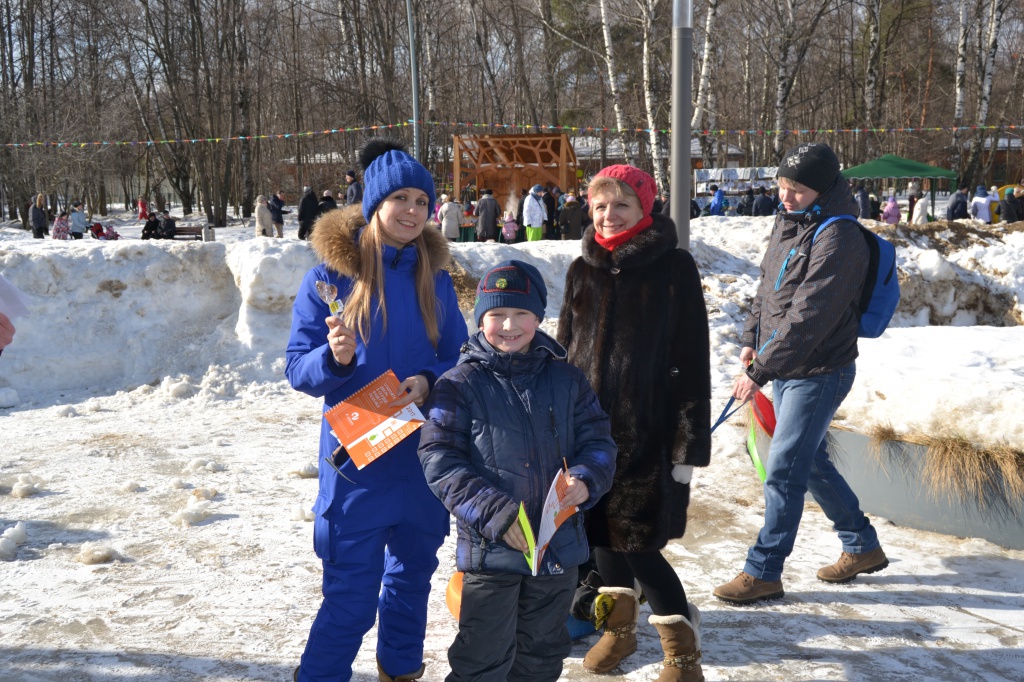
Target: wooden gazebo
(508, 164)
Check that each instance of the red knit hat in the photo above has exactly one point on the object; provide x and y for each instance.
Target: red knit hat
(639, 181)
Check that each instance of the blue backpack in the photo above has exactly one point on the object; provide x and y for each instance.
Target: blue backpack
(881, 292)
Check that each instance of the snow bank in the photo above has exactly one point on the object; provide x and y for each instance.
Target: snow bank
(127, 313)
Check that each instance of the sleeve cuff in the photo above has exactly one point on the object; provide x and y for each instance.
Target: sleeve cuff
(430, 377)
(339, 370)
(757, 376)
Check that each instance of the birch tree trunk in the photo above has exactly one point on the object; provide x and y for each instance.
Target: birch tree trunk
(482, 43)
(798, 22)
(613, 87)
(648, 9)
(871, 80)
(958, 87)
(704, 85)
(995, 20)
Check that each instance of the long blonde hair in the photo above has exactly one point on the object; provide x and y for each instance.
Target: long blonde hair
(40, 200)
(358, 313)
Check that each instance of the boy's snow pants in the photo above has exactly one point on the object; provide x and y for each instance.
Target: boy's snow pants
(512, 627)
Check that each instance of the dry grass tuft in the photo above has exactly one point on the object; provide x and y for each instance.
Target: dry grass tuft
(954, 467)
(957, 467)
(465, 284)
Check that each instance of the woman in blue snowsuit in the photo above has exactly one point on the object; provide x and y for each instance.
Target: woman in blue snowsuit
(377, 532)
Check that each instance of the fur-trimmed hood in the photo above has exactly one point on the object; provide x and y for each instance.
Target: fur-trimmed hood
(335, 240)
(640, 251)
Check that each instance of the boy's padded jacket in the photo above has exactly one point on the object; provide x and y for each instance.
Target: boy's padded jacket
(403, 347)
(497, 430)
(803, 321)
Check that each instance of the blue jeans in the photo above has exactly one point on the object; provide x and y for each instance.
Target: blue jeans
(799, 461)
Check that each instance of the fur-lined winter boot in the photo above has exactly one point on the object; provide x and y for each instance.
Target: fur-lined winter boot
(619, 638)
(407, 677)
(680, 640)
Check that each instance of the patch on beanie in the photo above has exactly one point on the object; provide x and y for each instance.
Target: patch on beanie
(507, 280)
(797, 155)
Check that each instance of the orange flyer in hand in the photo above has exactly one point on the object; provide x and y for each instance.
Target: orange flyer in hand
(366, 425)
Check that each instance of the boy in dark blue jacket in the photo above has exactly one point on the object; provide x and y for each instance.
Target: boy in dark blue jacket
(499, 427)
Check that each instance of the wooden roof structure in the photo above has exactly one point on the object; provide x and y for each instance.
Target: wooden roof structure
(508, 164)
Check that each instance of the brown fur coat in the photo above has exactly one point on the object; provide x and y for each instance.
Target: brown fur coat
(634, 321)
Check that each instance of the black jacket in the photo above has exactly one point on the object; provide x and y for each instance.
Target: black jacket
(308, 209)
(326, 204)
(634, 321)
(276, 206)
(1010, 210)
(763, 205)
(151, 230)
(803, 320)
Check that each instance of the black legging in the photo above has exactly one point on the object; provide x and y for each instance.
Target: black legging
(657, 578)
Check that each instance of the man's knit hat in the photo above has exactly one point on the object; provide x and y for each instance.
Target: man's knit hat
(387, 167)
(639, 181)
(511, 284)
(812, 164)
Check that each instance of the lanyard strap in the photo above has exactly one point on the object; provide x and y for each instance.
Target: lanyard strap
(726, 414)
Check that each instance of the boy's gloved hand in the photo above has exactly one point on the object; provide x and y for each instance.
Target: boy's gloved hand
(682, 473)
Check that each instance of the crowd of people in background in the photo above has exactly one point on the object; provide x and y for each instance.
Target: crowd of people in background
(541, 212)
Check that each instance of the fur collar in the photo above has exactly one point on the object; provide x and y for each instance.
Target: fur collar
(638, 252)
(335, 234)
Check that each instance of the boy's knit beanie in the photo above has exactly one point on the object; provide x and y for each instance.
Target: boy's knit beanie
(812, 164)
(639, 181)
(387, 167)
(511, 284)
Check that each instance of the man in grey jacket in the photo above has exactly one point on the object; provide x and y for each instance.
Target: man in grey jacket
(801, 334)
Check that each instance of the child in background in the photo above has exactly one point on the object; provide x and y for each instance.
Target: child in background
(509, 229)
(489, 444)
(891, 214)
(61, 229)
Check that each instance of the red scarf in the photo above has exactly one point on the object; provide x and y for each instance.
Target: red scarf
(621, 238)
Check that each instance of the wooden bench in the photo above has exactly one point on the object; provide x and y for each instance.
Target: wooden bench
(188, 232)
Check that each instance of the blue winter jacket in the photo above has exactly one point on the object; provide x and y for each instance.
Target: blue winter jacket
(396, 480)
(497, 430)
(717, 206)
(78, 222)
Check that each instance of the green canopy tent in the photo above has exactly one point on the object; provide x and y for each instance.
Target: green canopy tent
(892, 166)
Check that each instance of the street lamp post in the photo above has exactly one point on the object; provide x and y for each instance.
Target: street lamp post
(682, 66)
(415, 72)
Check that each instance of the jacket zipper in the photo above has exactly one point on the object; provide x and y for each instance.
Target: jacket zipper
(782, 270)
(554, 429)
(761, 349)
(398, 257)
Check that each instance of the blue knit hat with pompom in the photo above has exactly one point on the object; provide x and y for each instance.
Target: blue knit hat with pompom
(388, 167)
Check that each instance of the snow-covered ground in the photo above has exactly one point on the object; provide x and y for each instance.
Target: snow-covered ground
(163, 469)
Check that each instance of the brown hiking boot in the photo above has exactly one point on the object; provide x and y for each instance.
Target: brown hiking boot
(850, 566)
(746, 589)
(680, 640)
(619, 638)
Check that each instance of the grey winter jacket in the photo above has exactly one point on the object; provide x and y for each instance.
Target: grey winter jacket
(803, 320)
(498, 427)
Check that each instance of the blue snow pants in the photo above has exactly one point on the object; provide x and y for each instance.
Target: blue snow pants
(380, 572)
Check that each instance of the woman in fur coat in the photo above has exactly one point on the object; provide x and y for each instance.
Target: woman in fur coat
(377, 529)
(633, 319)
